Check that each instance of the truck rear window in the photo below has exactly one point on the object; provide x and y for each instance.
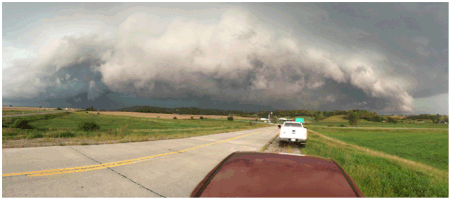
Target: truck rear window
(293, 125)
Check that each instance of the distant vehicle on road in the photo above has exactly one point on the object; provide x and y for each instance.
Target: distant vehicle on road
(293, 132)
(257, 174)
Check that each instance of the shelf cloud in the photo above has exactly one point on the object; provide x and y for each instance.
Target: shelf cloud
(235, 57)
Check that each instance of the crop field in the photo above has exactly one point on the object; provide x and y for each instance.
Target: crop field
(379, 175)
(166, 116)
(113, 127)
(420, 145)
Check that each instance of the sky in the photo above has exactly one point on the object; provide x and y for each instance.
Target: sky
(386, 57)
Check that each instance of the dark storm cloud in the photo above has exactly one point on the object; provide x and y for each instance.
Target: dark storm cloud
(285, 56)
(418, 38)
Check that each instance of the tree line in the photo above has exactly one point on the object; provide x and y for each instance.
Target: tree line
(318, 115)
(435, 118)
(188, 111)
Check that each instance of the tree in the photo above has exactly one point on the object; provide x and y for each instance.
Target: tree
(377, 118)
(392, 120)
(434, 119)
(318, 116)
(438, 120)
(353, 119)
(10, 105)
(40, 106)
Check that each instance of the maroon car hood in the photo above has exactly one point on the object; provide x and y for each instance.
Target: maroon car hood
(253, 174)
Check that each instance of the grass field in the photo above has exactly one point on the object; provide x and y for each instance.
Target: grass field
(340, 119)
(121, 127)
(17, 112)
(26, 108)
(382, 124)
(379, 176)
(425, 146)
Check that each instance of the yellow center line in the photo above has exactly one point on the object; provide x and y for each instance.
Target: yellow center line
(111, 164)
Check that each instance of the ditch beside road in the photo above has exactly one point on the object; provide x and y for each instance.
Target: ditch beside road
(275, 147)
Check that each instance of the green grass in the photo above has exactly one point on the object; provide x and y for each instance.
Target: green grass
(336, 118)
(7, 121)
(364, 123)
(109, 122)
(425, 146)
(378, 176)
(120, 127)
(18, 112)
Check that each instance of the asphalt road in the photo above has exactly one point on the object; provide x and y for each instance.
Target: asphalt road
(38, 113)
(165, 168)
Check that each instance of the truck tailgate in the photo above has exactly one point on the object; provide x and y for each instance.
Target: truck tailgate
(292, 132)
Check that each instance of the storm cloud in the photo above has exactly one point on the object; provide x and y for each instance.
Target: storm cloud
(235, 57)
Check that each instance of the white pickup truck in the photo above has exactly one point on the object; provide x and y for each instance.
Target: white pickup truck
(293, 132)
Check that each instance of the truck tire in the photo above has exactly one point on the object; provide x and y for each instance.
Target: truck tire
(280, 143)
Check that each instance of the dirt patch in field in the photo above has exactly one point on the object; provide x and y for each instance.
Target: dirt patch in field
(166, 116)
